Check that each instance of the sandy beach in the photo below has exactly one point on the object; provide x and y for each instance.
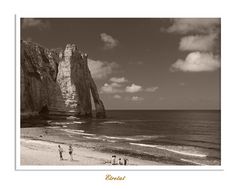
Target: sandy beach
(39, 146)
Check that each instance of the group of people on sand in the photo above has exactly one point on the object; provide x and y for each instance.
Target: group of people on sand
(70, 151)
(119, 162)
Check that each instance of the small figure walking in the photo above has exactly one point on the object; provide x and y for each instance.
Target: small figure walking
(60, 150)
(70, 150)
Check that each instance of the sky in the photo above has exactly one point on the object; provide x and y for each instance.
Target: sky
(142, 63)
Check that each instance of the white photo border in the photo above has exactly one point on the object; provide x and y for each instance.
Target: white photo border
(19, 167)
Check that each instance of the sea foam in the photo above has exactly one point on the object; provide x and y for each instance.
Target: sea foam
(170, 150)
(78, 132)
(113, 122)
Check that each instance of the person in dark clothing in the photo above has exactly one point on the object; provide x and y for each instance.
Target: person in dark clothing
(60, 150)
(120, 161)
(125, 161)
(114, 160)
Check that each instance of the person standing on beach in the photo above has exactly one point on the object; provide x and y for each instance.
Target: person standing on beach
(70, 150)
(120, 161)
(113, 160)
(125, 161)
(60, 150)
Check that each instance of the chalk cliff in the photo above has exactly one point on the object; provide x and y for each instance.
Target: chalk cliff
(57, 82)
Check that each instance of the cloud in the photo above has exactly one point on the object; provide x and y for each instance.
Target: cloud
(133, 88)
(109, 41)
(197, 62)
(101, 69)
(117, 86)
(116, 96)
(203, 44)
(198, 43)
(111, 88)
(118, 79)
(137, 99)
(199, 25)
(151, 89)
(34, 22)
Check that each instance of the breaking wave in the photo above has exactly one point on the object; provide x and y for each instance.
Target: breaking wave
(78, 132)
(112, 122)
(171, 149)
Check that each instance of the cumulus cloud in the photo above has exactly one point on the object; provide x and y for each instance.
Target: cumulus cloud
(151, 89)
(137, 99)
(117, 85)
(34, 22)
(133, 88)
(109, 41)
(116, 96)
(118, 79)
(202, 39)
(199, 25)
(101, 69)
(198, 42)
(197, 62)
(111, 88)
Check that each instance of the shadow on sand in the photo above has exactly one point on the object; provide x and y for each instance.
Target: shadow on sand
(74, 160)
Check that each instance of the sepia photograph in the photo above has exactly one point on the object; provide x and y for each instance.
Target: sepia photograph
(118, 92)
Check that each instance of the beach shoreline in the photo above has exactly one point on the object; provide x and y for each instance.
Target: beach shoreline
(39, 146)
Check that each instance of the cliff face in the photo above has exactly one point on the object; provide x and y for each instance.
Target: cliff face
(57, 82)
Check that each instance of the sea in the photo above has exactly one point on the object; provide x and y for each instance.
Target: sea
(169, 137)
